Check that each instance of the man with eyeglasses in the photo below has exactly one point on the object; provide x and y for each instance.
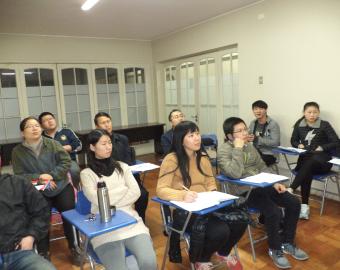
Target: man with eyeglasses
(264, 132)
(175, 117)
(67, 138)
(237, 158)
(24, 220)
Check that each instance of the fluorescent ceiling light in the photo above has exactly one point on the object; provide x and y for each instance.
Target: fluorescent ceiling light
(7, 73)
(89, 4)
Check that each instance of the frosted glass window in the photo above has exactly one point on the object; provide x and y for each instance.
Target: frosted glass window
(9, 105)
(40, 91)
(34, 106)
(77, 99)
(108, 91)
(170, 86)
(115, 117)
(135, 95)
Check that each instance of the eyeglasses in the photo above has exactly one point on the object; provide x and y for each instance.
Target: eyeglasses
(176, 116)
(32, 126)
(244, 130)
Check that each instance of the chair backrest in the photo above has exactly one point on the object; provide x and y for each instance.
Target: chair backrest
(209, 140)
(83, 205)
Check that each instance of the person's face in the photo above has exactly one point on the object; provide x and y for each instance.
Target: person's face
(103, 148)
(104, 122)
(192, 141)
(48, 122)
(32, 130)
(311, 114)
(176, 118)
(259, 112)
(241, 132)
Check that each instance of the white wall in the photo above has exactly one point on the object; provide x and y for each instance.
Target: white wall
(295, 47)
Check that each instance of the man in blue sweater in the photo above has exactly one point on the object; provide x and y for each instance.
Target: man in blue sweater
(67, 138)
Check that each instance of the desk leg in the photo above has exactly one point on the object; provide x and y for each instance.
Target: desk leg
(84, 251)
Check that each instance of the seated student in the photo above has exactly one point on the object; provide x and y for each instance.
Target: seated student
(175, 117)
(321, 142)
(43, 159)
(24, 219)
(238, 159)
(188, 165)
(67, 138)
(121, 151)
(123, 193)
(264, 132)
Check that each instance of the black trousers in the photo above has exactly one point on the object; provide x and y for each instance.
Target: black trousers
(268, 201)
(142, 203)
(62, 202)
(308, 165)
(220, 236)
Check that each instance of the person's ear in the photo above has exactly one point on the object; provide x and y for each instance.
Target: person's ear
(230, 137)
(92, 148)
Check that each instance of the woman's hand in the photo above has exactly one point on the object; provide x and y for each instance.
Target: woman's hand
(26, 243)
(190, 196)
(45, 177)
(280, 188)
(301, 146)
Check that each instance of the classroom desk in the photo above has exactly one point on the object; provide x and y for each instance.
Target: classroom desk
(286, 153)
(182, 231)
(94, 228)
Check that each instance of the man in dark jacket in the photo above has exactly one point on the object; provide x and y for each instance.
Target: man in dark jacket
(121, 151)
(24, 220)
(175, 117)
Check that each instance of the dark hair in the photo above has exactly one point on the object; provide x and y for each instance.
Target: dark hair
(230, 123)
(177, 147)
(307, 104)
(25, 120)
(100, 114)
(311, 104)
(93, 163)
(260, 104)
(43, 114)
(170, 114)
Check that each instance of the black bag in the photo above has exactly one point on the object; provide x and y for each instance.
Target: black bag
(234, 214)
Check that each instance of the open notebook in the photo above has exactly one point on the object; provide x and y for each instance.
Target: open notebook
(205, 200)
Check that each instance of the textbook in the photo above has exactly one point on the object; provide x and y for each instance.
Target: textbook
(205, 200)
(292, 149)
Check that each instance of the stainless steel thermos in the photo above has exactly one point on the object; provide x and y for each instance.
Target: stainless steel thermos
(103, 202)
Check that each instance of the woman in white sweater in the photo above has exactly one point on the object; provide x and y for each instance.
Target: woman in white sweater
(123, 192)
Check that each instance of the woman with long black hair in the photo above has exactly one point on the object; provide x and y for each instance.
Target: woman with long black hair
(320, 141)
(123, 192)
(188, 165)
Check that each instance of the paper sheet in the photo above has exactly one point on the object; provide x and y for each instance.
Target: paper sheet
(335, 161)
(264, 178)
(143, 167)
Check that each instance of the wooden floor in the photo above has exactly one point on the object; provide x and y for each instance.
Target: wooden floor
(319, 236)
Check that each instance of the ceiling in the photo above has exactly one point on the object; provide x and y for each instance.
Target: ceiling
(124, 19)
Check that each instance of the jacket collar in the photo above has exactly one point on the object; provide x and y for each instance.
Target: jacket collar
(317, 123)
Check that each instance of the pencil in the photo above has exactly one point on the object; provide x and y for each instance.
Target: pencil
(185, 188)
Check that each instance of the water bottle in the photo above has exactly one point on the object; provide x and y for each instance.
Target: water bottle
(103, 202)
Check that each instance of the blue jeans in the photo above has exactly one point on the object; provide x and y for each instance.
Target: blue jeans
(24, 260)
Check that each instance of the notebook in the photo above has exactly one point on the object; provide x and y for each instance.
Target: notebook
(205, 200)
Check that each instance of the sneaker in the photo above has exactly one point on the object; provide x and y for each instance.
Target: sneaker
(296, 252)
(232, 261)
(204, 266)
(304, 212)
(279, 259)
